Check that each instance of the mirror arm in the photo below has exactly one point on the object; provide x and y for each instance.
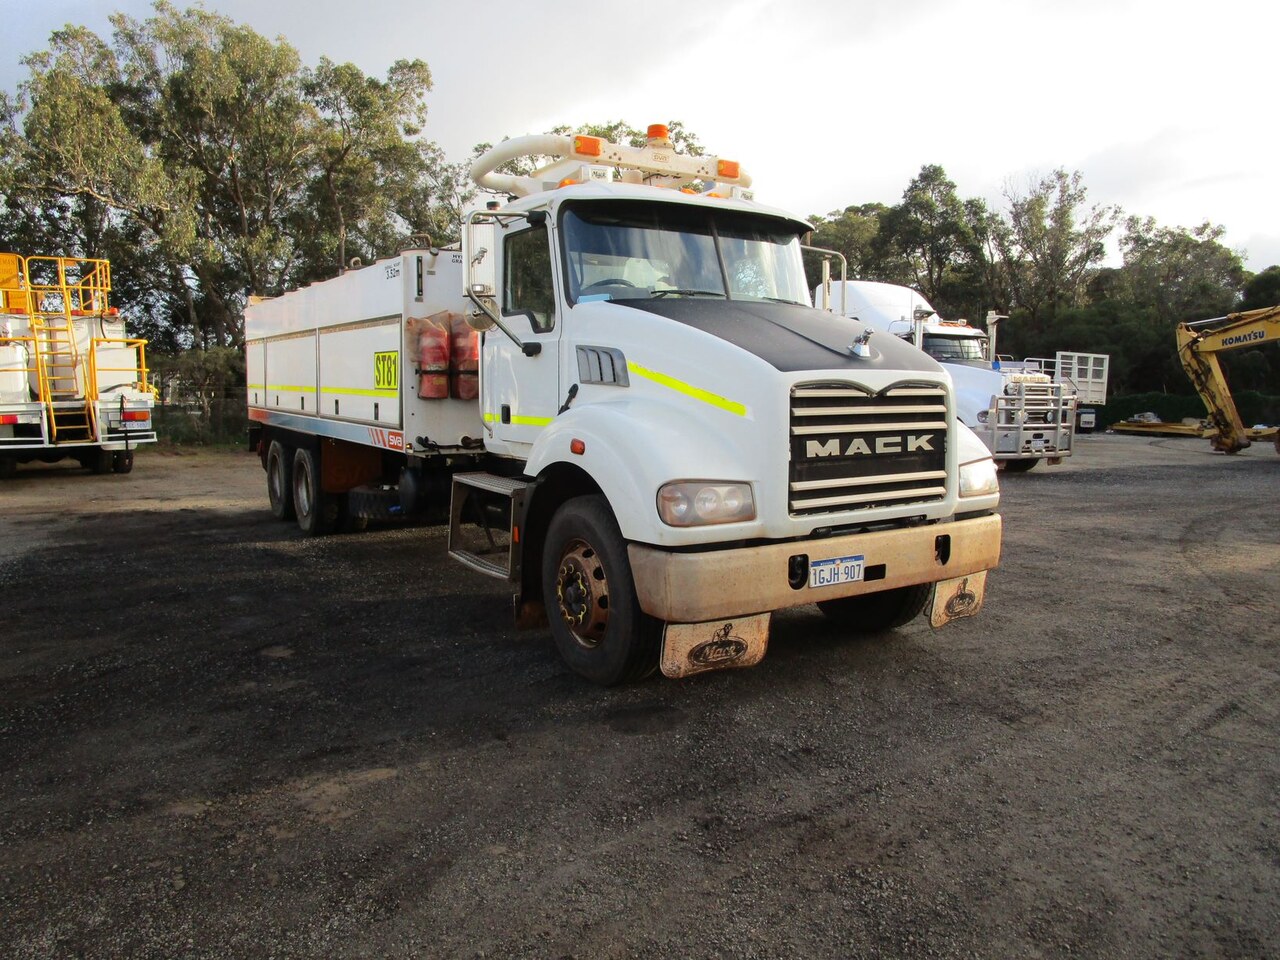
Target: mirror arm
(531, 349)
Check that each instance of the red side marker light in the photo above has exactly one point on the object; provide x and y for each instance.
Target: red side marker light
(577, 446)
(137, 416)
(9, 418)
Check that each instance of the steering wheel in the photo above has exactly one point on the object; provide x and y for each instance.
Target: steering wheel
(611, 282)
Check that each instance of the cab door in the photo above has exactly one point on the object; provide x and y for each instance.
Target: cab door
(521, 394)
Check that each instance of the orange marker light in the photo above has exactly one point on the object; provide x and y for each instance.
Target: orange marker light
(728, 169)
(577, 446)
(658, 131)
(567, 182)
(588, 146)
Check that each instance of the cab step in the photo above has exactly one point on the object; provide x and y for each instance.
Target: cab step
(483, 512)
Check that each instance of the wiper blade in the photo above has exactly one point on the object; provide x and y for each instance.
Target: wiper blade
(679, 292)
(796, 303)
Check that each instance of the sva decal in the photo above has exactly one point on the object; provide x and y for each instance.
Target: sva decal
(391, 439)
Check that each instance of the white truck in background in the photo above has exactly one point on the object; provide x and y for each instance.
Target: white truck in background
(621, 393)
(1023, 411)
(72, 384)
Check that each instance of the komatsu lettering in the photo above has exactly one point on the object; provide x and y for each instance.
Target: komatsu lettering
(858, 446)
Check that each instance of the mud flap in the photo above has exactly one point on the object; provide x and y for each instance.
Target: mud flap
(689, 648)
(960, 597)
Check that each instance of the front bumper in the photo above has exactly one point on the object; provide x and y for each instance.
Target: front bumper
(695, 587)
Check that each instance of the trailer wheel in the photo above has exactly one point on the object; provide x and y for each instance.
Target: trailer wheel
(122, 461)
(596, 620)
(317, 511)
(280, 480)
(1019, 466)
(873, 612)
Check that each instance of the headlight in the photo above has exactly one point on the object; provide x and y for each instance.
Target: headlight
(693, 503)
(978, 479)
(983, 415)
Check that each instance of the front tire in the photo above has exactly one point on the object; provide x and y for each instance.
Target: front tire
(873, 612)
(596, 620)
(317, 511)
(280, 480)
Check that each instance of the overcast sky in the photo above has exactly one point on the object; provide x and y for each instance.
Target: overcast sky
(1167, 108)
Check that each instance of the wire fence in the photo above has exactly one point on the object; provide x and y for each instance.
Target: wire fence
(216, 421)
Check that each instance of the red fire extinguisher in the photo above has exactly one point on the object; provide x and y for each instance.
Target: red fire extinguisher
(465, 361)
(433, 362)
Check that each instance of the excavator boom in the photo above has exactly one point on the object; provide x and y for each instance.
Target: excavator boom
(1199, 344)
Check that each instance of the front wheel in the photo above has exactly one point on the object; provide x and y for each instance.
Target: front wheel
(596, 619)
(873, 612)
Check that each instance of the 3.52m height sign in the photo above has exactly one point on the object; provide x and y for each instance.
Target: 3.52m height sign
(386, 370)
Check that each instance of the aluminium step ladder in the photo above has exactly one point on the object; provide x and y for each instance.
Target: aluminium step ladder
(494, 504)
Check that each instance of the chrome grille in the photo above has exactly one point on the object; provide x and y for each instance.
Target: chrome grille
(854, 450)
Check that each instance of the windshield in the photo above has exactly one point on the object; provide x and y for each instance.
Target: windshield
(626, 250)
(955, 348)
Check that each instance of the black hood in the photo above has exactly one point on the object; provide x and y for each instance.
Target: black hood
(789, 336)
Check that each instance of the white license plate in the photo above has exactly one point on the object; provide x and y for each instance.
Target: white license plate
(837, 570)
(136, 425)
(1037, 446)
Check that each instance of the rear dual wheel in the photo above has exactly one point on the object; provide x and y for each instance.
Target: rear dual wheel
(317, 511)
(280, 480)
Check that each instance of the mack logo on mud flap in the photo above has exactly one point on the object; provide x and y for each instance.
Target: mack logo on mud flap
(720, 650)
(873, 446)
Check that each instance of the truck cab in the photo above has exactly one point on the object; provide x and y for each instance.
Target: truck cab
(1019, 411)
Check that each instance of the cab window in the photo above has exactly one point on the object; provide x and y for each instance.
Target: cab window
(526, 277)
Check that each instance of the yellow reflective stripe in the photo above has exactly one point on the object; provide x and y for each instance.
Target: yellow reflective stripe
(520, 421)
(357, 392)
(290, 388)
(254, 386)
(732, 406)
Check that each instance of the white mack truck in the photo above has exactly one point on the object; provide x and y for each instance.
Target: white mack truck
(72, 384)
(1021, 412)
(622, 392)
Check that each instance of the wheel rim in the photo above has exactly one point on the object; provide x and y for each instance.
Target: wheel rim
(276, 479)
(582, 593)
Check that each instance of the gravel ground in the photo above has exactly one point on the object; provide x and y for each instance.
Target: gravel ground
(221, 739)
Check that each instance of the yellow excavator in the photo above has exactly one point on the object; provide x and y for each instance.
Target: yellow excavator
(1199, 344)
